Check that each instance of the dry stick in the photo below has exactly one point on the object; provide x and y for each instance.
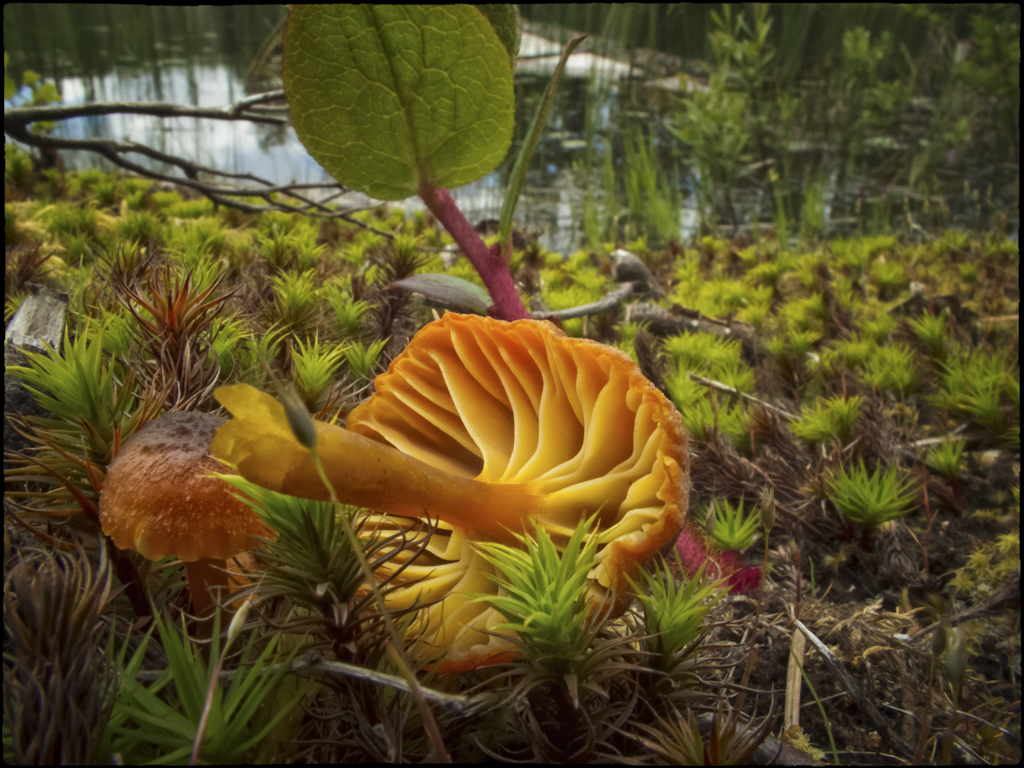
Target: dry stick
(736, 393)
(836, 667)
(794, 681)
(610, 301)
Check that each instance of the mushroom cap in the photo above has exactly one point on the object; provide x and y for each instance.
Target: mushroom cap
(519, 403)
(160, 499)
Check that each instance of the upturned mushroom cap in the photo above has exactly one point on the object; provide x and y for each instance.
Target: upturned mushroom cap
(496, 424)
(160, 500)
(572, 420)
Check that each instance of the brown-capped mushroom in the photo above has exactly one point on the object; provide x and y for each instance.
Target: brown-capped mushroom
(159, 498)
(482, 426)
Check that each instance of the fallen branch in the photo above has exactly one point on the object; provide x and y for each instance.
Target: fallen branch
(610, 301)
(17, 122)
(664, 322)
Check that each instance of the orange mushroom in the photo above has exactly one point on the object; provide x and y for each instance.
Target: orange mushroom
(481, 426)
(159, 498)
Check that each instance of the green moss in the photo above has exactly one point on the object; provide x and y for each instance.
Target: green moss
(831, 417)
(892, 369)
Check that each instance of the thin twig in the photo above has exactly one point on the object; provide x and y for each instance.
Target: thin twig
(955, 434)
(16, 122)
(237, 111)
(736, 393)
(315, 664)
(794, 681)
(610, 301)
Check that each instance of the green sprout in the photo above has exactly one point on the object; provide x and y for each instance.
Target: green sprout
(945, 458)
(176, 208)
(877, 329)
(931, 330)
(733, 529)
(871, 499)
(85, 391)
(674, 613)
(140, 226)
(350, 315)
(893, 369)
(362, 358)
(17, 167)
(406, 252)
(310, 561)
(66, 221)
(296, 299)
(980, 387)
(800, 342)
(307, 252)
(315, 366)
(277, 248)
(969, 272)
(856, 352)
(890, 277)
(545, 598)
(770, 273)
(705, 421)
(830, 417)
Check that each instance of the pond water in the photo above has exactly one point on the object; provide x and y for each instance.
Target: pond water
(212, 56)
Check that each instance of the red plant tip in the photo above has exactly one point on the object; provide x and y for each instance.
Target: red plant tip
(694, 551)
(744, 580)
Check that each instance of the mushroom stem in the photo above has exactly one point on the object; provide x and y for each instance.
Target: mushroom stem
(204, 574)
(369, 474)
(364, 473)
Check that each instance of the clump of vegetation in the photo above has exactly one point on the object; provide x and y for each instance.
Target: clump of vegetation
(870, 499)
(729, 528)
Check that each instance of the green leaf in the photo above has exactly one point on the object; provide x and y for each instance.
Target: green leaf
(450, 290)
(389, 97)
(508, 24)
(518, 177)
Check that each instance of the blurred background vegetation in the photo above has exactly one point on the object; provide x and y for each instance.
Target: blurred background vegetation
(811, 119)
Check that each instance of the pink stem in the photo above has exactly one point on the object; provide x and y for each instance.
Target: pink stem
(487, 261)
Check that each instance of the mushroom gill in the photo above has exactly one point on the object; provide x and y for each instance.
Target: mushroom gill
(482, 426)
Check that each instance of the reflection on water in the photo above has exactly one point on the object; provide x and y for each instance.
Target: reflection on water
(211, 56)
(202, 57)
(269, 151)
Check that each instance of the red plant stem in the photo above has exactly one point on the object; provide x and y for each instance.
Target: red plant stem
(486, 261)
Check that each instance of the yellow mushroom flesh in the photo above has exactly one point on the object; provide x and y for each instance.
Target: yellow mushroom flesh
(481, 426)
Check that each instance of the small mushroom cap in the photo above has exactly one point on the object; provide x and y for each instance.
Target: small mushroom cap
(572, 421)
(160, 499)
